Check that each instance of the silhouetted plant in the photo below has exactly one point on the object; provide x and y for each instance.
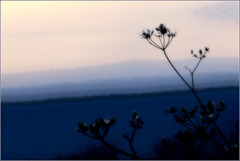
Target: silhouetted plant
(187, 143)
(91, 152)
(198, 120)
(100, 129)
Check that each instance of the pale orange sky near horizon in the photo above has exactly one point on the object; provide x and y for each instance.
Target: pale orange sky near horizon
(47, 35)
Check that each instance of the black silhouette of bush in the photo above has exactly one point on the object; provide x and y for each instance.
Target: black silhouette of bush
(199, 121)
(93, 152)
(182, 147)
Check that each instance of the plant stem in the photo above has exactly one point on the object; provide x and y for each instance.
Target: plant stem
(198, 99)
(183, 79)
(192, 73)
(196, 120)
(192, 81)
(197, 65)
(131, 144)
(118, 150)
(176, 69)
(229, 145)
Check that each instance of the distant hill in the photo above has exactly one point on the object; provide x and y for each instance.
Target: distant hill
(126, 70)
(120, 78)
(118, 86)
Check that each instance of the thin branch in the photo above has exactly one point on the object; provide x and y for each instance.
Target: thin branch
(215, 142)
(176, 70)
(196, 120)
(193, 123)
(130, 142)
(89, 135)
(193, 85)
(169, 42)
(161, 41)
(118, 150)
(228, 143)
(189, 128)
(164, 42)
(153, 44)
(191, 76)
(198, 99)
(133, 134)
(197, 65)
(188, 69)
(106, 131)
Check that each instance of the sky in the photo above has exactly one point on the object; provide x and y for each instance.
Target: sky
(49, 35)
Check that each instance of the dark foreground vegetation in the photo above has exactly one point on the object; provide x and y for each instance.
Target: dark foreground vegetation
(200, 121)
(46, 130)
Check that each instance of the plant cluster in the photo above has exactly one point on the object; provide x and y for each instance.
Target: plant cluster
(207, 115)
(100, 128)
(199, 130)
(200, 122)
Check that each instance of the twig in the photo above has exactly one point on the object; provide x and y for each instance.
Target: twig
(131, 144)
(89, 135)
(117, 150)
(176, 69)
(196, 120)
(197, 65)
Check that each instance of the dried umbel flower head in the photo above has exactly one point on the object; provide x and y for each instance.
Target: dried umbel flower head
(172, 34)
(211, 112)
(136, 121)
(211, 105)
(162, 29)
(82, 127)
(206, 49)
(201, 54)
(164, 36)
(110, 122)
(98, 129)
(147, 34)
(94, 129)
(181, 115)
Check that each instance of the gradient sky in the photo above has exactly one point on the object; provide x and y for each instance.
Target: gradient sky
(48, 35)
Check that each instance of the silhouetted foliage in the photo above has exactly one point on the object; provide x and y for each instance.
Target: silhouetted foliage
(100, 128)
(200, 121)
(93, 152)
(203, 125)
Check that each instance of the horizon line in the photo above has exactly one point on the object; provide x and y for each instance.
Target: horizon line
(113, 95)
